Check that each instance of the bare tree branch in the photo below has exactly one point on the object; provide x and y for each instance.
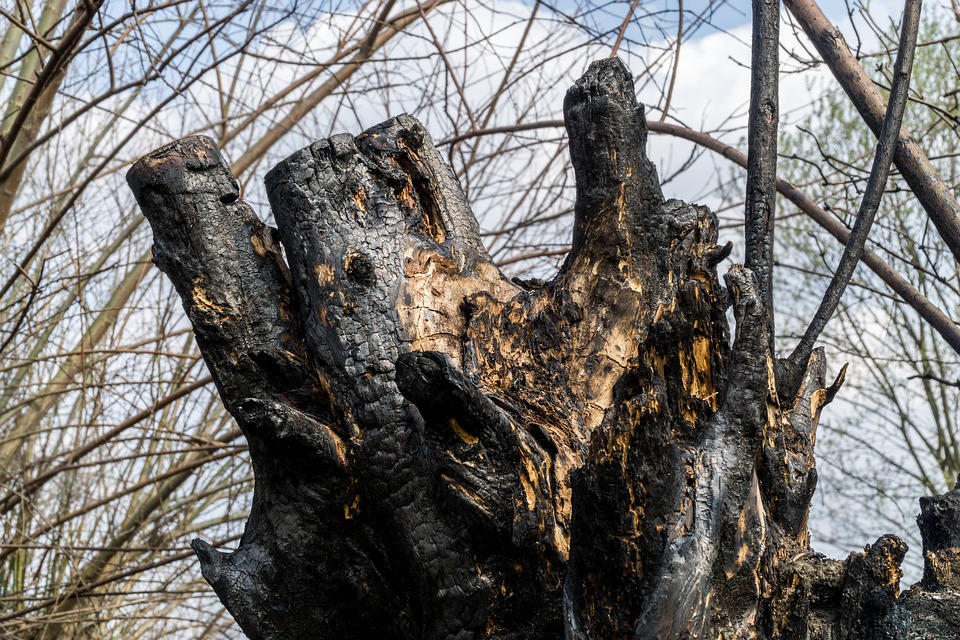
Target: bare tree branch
(935, 378)
(870, 203)
(932, 192)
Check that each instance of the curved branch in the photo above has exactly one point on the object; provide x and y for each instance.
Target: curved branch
(797, 361)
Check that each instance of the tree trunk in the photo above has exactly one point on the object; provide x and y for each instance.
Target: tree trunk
(441, 452)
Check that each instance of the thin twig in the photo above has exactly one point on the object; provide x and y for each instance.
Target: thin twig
(512, 128)
(676, 64)
(623, 29)
(929, 376)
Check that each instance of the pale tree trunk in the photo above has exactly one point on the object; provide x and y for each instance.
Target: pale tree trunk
(441, 452)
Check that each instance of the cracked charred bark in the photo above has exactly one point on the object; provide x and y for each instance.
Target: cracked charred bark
(441, 452)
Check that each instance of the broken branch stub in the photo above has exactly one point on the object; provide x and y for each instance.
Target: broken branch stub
(442, 453)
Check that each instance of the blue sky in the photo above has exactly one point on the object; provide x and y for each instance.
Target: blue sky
(723, 14)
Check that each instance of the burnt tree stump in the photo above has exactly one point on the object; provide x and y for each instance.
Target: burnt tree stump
(443, 453)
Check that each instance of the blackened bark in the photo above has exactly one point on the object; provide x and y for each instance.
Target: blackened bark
(761, 202)
(442, 453)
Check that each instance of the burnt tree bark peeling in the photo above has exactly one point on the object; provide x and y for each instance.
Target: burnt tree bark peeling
(441, 452)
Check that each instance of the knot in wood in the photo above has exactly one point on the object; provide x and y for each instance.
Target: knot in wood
(359, 268)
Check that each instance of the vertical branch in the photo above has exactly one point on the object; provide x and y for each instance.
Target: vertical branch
(762, 153)
(883, 157)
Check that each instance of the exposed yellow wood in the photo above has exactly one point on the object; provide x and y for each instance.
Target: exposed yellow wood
(324, 274)
(258, 246)
(202, 301)
(462, 433)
